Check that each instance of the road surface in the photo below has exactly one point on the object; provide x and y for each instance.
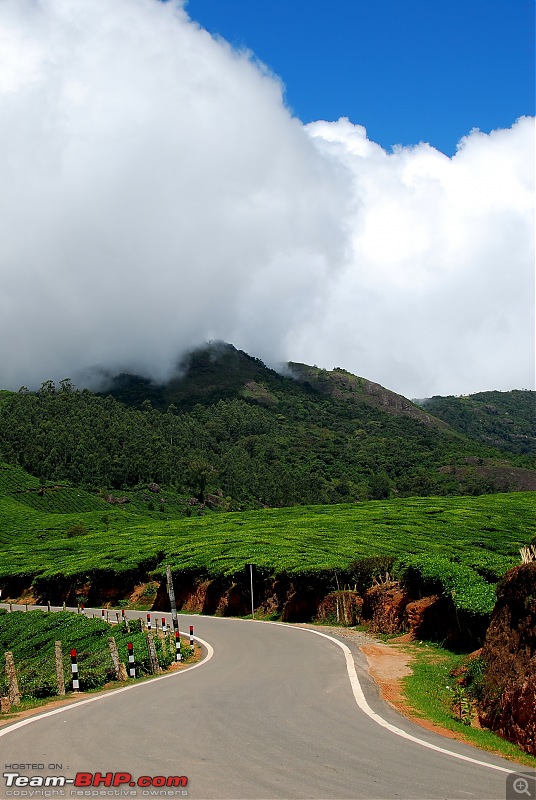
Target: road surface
(272, 714)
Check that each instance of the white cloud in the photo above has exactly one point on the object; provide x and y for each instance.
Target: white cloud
(156, 193)
(438, 295)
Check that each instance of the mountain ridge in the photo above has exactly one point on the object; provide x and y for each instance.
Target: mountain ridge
(227, 426)
(201, 378)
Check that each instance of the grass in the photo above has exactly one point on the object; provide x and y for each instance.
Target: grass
(429, 691)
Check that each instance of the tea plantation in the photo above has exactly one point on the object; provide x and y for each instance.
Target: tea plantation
(463, 544)
(31, 636)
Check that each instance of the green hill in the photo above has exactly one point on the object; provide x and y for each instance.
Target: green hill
(230, 433)
(506, 420)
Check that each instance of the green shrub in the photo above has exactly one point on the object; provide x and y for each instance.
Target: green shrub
(30, 636)
(427, 574)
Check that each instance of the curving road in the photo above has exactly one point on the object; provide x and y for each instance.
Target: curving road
(273, 714)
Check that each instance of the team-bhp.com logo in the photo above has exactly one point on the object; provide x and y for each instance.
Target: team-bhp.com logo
(95, 784)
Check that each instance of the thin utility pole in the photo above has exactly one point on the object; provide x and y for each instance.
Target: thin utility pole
(172, 602)
(251, 585)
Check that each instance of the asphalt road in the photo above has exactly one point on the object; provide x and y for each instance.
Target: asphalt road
(272, 714)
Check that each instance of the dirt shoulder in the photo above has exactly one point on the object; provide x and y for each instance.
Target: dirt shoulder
(388, 664)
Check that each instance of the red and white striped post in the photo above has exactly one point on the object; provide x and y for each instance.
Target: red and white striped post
(131, 664)
(178, 655)
(74, 671)
(122, 615)
(164, 626)
(191, 637)
(148, 622)
(103, 614)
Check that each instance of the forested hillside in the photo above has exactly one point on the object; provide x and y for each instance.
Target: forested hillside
(230, 432)
(500, 419)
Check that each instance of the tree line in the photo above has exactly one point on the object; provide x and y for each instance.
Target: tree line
(301, 450)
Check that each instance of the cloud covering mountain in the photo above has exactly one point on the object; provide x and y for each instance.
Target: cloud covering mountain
(155, 193)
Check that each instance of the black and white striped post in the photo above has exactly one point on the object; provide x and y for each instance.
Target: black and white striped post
(131, 664)
(172, 601)
(164, 626)
(74, 671)
(191, 637)
(148, 622)
(178, 654)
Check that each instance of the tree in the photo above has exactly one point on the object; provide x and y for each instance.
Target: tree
(379, 486)
(199, 473)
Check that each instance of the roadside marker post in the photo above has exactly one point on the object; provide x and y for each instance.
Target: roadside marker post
(13, 685)
(153, 658)
(119, 667)
(172, 601)
(60, 679)
(148, 622)
(131, 665)
(164, 626)
(74, 671)
(103, 614)
(191, 637)
(178, 655)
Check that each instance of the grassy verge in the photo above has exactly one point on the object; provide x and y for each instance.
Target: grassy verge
(31, 638)
(430, 691)
(28, 704)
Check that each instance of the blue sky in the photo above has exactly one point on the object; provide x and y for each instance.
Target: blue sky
(408, 70)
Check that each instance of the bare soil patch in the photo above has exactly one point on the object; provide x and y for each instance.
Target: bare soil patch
(388, 664)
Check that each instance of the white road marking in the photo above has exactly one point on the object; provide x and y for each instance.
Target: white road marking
(113, 693)
(364, 706)
(354, 682)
